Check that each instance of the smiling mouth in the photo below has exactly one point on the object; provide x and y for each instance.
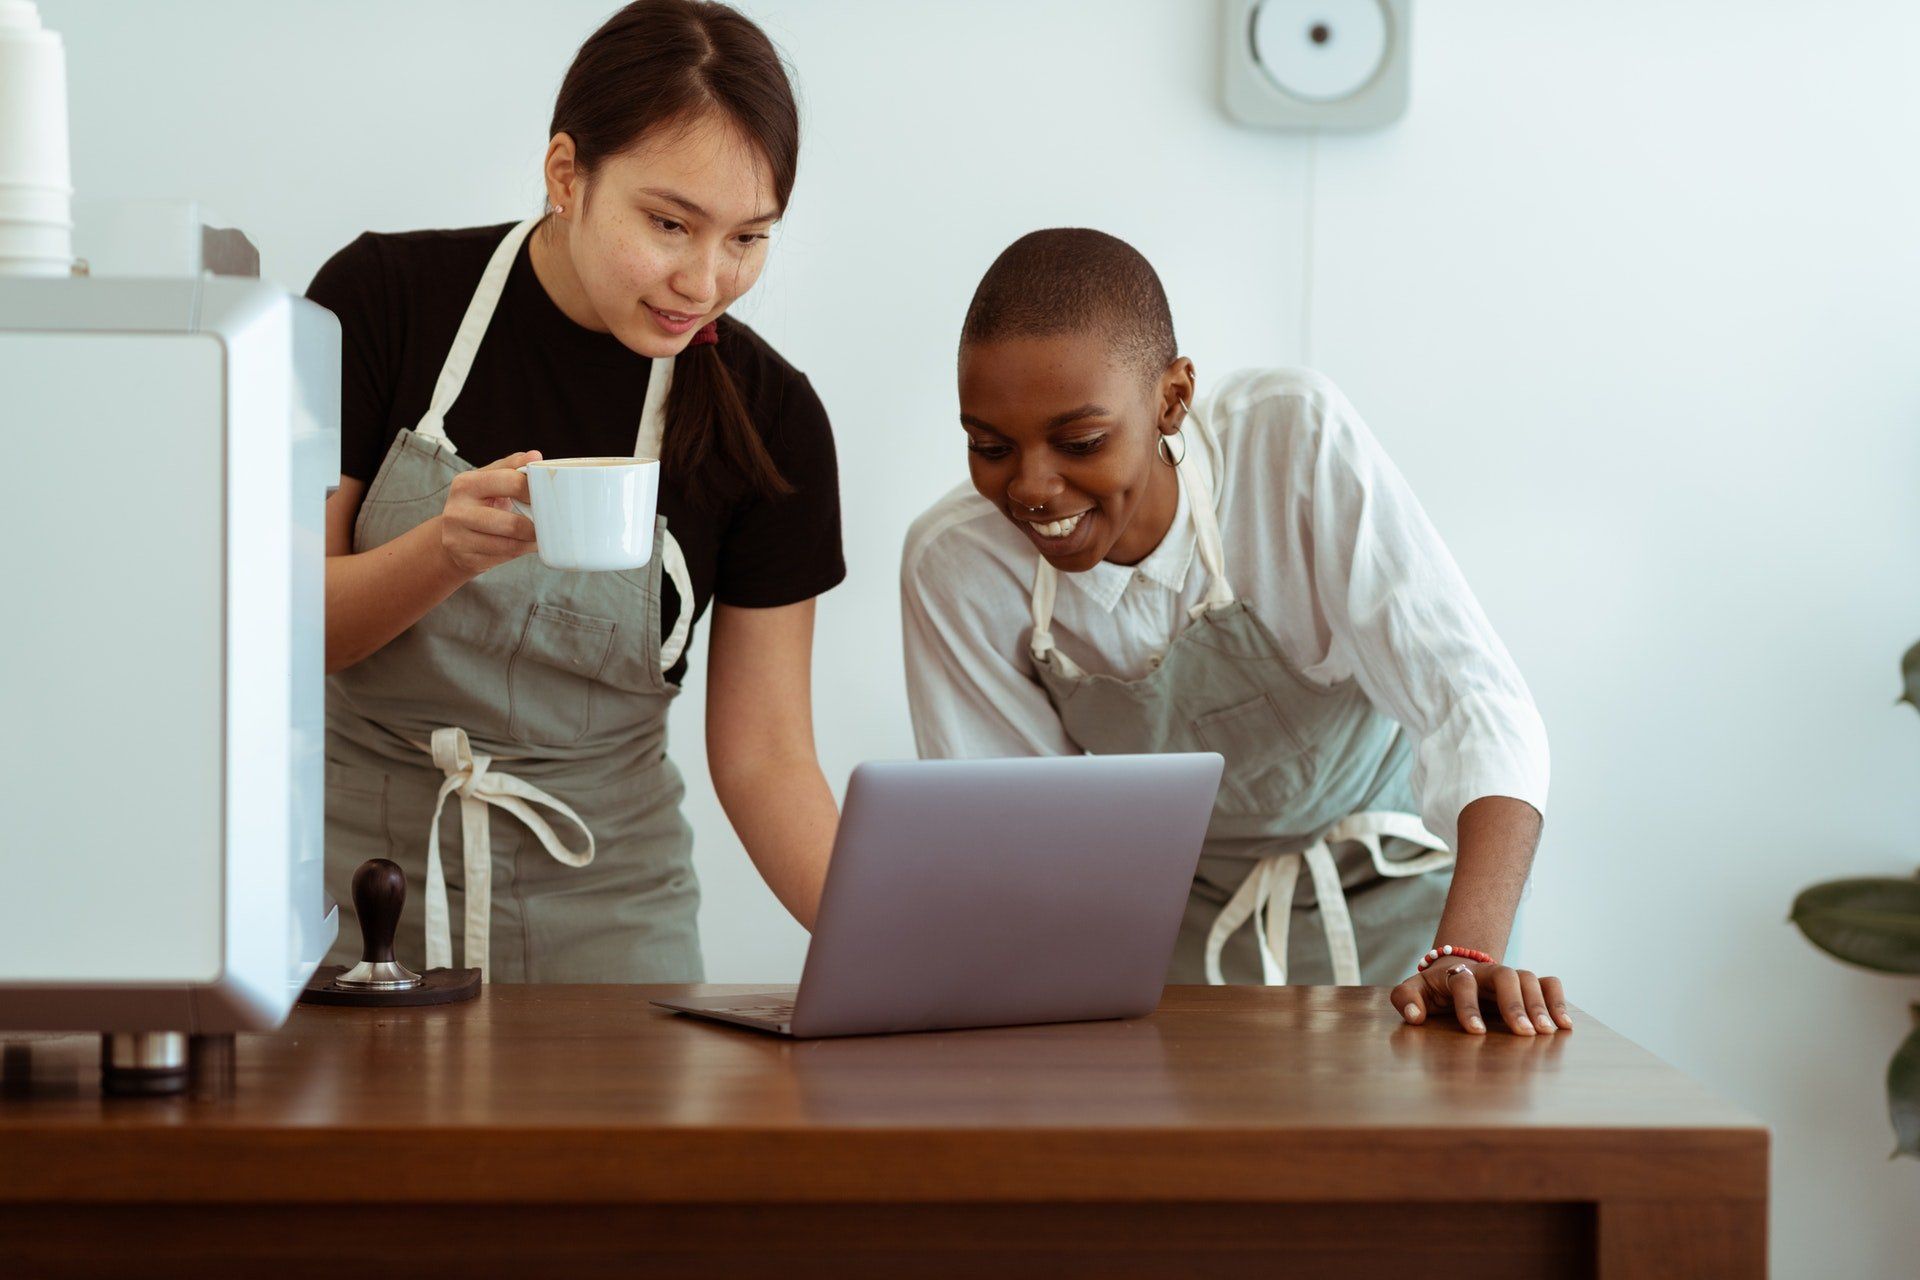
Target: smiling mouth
(1056, 528)
(675, 317)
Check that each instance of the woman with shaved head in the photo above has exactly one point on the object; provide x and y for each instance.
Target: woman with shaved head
(1135, 570)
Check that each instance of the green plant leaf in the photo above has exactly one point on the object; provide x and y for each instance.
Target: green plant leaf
(1903, 1096)
(1872, 922)
(1910, 678)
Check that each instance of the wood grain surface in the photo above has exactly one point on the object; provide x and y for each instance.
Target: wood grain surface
(1227, 1101)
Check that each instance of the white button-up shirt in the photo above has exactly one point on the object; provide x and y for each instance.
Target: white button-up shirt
(1325, 543)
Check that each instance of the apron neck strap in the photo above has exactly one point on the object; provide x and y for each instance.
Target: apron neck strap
(653, 414)
(1198, 487)
(473, 327)
(1046, 582)
(1198, 481)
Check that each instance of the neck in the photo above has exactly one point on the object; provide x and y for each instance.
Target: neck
(553, 268)
(1150, 524)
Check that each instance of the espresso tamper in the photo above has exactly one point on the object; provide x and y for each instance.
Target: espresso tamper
(380, 980)
(379, 891)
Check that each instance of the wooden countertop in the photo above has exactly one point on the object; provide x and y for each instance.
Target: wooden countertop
(591, 1095)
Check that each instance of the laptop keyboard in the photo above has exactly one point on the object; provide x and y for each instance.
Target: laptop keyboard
(780, 1011)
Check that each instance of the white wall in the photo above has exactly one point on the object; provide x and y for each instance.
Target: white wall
(1628, 295)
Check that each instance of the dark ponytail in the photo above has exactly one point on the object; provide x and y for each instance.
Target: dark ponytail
(657, 63)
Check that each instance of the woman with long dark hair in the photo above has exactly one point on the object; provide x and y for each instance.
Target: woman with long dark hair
(466, 676)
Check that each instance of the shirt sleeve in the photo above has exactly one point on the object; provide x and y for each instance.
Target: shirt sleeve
(782, 550)
(1416, 639)
(353, 285)
(968, 687)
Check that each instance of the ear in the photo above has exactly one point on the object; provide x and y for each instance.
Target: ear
(566, 185)
(1177, 388)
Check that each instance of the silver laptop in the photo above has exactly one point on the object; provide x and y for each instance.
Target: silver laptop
(984, 893)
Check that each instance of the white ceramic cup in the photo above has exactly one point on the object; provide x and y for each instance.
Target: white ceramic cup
(36, 219)
(593, 513)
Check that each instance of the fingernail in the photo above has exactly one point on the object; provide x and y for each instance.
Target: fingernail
(1412, 1012)
(1476, 1024)
(1546, 1023)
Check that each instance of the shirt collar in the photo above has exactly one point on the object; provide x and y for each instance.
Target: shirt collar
(1166, 565)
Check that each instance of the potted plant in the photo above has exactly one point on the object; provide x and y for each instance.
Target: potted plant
(1874, 922)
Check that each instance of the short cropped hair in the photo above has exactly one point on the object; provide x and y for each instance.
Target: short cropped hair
(1074, 280)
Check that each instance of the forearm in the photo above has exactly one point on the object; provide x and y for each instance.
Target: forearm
(785, 815)
(1498, 836)
(374, 595)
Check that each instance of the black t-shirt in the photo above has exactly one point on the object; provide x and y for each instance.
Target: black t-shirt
(540, 381)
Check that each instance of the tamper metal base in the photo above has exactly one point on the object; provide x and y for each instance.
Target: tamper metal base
(378, 975)
(437, 986)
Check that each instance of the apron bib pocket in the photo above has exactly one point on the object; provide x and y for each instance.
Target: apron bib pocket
(551, 674)
(1267, 765)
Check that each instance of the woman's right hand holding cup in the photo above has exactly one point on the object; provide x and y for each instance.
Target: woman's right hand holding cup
(479, 529)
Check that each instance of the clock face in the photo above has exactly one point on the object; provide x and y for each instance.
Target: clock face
(1320, 50)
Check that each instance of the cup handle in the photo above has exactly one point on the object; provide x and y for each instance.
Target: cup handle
(519, 506)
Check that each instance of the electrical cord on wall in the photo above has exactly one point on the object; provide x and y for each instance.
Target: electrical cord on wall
(1306, 248)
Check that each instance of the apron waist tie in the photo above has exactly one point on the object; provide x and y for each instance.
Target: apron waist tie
(471, 774)
(1266, 895)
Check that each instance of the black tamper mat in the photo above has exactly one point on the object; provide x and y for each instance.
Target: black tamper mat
(379, 891)
(437, 986)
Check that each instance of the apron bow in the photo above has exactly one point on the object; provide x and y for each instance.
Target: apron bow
(1266, 895)
(471, 776)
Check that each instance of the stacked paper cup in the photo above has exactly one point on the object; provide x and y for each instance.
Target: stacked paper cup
(36, 189)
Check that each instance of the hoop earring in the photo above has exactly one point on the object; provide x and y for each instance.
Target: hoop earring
(1165, 450)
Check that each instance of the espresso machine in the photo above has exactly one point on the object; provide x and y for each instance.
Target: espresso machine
(170, 423)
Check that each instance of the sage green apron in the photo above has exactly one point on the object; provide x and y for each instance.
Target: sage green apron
(1315, 778)
(537, 692)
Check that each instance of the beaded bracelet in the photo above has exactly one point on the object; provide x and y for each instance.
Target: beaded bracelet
(1465, 953)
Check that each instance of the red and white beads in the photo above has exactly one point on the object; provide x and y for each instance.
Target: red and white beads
(1465, 953)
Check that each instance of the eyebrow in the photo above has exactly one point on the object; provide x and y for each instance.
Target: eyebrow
(1057, 421)
(674, 197)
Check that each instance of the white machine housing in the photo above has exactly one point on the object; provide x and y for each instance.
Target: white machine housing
(171, 444)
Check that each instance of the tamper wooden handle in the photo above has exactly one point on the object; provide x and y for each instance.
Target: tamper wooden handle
(379, 891)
